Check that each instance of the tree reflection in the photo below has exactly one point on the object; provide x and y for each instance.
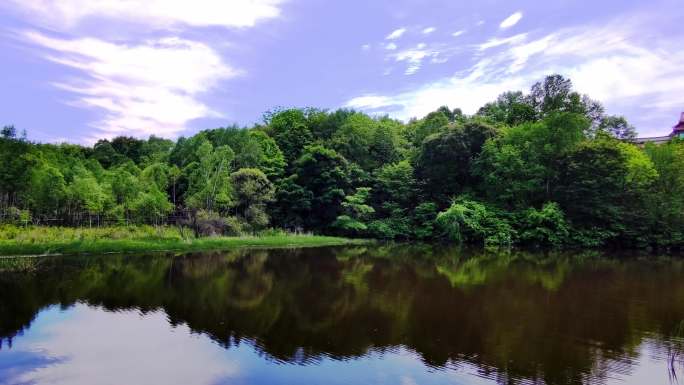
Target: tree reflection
(552, 317)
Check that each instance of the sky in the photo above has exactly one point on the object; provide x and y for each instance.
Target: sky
(80, 70)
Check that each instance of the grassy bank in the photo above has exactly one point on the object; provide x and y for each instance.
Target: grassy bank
(64, 240)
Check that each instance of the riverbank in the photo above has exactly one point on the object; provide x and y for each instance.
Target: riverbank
(16, 241)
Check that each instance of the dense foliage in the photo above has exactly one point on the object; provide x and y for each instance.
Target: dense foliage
(547, 168)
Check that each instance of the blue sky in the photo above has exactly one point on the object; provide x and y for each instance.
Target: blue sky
(78, 70)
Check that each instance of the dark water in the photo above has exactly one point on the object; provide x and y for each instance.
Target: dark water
(379, 315)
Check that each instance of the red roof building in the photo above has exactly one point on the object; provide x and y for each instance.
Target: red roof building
(678, 130)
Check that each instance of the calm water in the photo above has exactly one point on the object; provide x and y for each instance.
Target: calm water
(379, 315)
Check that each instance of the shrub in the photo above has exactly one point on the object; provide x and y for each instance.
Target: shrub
(468, 221)
(545, 227)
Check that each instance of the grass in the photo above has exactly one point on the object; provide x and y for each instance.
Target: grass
(65, 240)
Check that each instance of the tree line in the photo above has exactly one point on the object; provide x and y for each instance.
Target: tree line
(543, 168)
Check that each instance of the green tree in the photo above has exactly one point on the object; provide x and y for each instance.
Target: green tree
(290, 130)
(520, 167)
(356, 211)
(665, 199)
(395, 183)
(601, 189)
(152, 206)
(444, 164)
(252, 191)
(87, 194)
(209, 178)
(325, 174)
(46, 194)
(510, 108)
(157, 175)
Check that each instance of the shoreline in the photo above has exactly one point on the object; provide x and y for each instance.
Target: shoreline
(136, 244)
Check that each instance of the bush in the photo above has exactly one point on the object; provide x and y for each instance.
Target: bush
(468, 221)
(13, 215)
(424, 216)
(545, 227)
(209, 223)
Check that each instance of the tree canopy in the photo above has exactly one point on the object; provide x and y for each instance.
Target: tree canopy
(544, 168)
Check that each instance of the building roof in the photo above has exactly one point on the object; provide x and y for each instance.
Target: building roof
(677, 130)
(679, 127)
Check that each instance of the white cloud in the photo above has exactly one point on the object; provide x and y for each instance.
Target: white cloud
(511, 20)
(366, 47)
(159, 13)
(495, 42)
(391, 46)
(414, 57)
(396, 34)
(604, 62)
(458, 33)
(147, 88)
(429, 30)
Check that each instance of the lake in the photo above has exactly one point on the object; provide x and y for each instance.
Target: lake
(393, 314)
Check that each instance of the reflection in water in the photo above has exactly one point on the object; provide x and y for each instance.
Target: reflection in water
(342, 315)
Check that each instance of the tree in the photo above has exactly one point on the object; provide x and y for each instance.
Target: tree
(290, 131)
(86, 194)
(46, 194)
(125, 188)
(520, 167)
(617, 126)
(104, 153)
(157, 175)
(252, 191)
(395, 183)
(174, 175)
(353, 140)
(555, 95)
(151, 206)
(128, 147)
(8, 132)
(601, 187)
(432, 123)
(271, 160)
(443, 166)
(325, 175)
(424, 217)
(510, 108)
(292, 205)
(14, 163)
(356, 213)
(665, 198)
(209, 177)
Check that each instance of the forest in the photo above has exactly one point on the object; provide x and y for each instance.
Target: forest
(546, 168)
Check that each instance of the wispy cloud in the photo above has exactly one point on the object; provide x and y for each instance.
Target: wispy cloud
(142, 85)
(391, 46)
(159, 13)
(429, 30)
(414, 57)
(496, 42)
(458, 33)
(606, 62)
(147, 88)
(396, 34)
(511, 20)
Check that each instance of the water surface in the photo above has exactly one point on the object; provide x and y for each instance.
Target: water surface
(349, 315)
